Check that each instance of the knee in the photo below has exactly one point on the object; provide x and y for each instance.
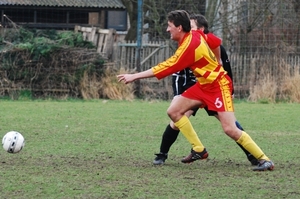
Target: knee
(170, 112)
(232, 132)
(173, 114)
(227, 129)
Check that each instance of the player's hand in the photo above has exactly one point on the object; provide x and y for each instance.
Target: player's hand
(126, 78)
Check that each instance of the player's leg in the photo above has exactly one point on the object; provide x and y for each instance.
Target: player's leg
(227, 120)
(179, 85)
(222, 103)
(249, 156)
(168, 138)
(176, 112)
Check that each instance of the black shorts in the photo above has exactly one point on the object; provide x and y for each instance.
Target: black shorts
(210, 113)
(195, 111)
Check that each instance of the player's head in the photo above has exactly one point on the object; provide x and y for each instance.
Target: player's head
(198, 21)
(180, 18)
(178, 24)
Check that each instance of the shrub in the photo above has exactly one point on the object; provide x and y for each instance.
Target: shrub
(264, 90)
(290, 89)
(47, 62)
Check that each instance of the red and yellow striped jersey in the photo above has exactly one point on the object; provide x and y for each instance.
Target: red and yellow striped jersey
(193, 52)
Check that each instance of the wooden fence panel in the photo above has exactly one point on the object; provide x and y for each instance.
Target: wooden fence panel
(151, 54)
(250, 69)
(103, 39)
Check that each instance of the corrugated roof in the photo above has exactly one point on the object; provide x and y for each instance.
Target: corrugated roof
(66, 3)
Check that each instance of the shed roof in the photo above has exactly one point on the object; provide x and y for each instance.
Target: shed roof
(66, 3)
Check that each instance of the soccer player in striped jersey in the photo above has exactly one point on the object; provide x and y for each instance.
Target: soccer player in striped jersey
(212, 90)
(183, 80)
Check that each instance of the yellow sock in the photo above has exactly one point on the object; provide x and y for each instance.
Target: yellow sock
(189, 133)
(246, 141)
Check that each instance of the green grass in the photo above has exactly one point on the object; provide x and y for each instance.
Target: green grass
(105, 149)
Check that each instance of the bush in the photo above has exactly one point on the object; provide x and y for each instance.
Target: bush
(47, 62)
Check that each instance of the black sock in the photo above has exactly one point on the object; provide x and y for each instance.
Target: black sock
(169, 137)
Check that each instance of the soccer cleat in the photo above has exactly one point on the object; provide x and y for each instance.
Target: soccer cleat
(195, 156)
(265, 165)
(160, 158)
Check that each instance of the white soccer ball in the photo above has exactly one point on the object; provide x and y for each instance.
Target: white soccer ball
(13, 142)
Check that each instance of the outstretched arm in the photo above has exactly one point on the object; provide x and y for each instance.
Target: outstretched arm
(128, 78)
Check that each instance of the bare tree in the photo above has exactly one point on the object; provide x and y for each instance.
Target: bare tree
(132, 10)
(155, 12)
(296, 4)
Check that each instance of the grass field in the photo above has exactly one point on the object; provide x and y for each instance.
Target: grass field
(105, 149)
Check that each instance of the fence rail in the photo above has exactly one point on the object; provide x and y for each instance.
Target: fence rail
(151, 54)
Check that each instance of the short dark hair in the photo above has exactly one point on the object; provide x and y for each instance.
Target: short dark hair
(180, 17)
(200, 22)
